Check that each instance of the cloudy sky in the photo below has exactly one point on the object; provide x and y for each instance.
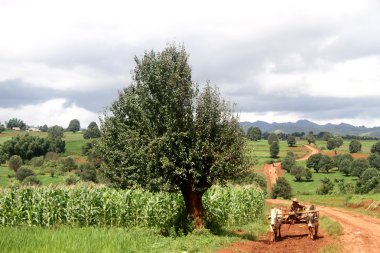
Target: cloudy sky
(278, 60)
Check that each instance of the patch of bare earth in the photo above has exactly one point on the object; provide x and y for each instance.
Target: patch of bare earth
(293, 240)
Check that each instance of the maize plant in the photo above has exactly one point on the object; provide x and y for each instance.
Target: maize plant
(122, 208)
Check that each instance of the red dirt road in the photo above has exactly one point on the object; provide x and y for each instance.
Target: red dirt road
(313, 151)
(361, 233)
(294, 240)
(273, 171)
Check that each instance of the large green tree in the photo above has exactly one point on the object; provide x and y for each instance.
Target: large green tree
(272, 138)
(15, 122)
(162, 134)
(254, 133)
(74, 126)
(92, 131)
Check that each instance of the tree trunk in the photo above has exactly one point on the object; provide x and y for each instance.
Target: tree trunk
(194, 205)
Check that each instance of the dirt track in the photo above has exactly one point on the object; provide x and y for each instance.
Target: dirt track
(273, 171)
(361, 233)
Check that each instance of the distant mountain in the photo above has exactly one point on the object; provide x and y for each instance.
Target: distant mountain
(307, 126)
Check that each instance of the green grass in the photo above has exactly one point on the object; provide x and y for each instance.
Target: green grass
(259, 150)
(366, 146)
(88, 239)
(332, 248)
(332, 228)
(45, 179)
(310, 187)
(4, 179)
(74, 143)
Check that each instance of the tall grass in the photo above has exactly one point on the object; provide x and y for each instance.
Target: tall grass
(123, 208)
(331, 227)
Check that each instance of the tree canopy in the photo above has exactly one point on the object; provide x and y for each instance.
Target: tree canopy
(254, 133)
(92, 131)
(74, 126)
(162, 134)
(15, 122)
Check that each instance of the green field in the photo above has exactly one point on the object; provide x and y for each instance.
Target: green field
(74, 141)
(259, 150)
(88, 239)
(366, 146)
(310, 187)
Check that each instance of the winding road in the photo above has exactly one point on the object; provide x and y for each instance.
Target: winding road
(273, 171)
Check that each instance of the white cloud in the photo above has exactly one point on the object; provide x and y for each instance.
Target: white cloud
(52, 112)
(353, 78)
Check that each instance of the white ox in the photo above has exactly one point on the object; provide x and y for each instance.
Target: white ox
(312, 220)
(275, 223)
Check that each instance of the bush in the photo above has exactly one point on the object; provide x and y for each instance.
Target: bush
(288, 162)
(3, 156)
(26, 146)
(355, 146)
(282, 189)
(31, 180)
(15, 162)
(326, 186)
(358, 166)
(87, 172)
(37, 161)
(23, 173)
(297, 172)
(51, 156)
(274, 149)
(308, 174)
(68, 164)
(368, 181)
(291, 141)
(345, 166)
(92, 131)
(374, 160)
(86, 148)
(72, 180)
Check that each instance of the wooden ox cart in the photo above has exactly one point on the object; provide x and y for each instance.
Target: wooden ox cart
(309, 215)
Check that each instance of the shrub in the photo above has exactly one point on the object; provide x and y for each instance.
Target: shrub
(374, 160)
(92, 131)
(358, 166)
(375, 149)
(288, 162)
(274, 149)
(368, 181)
(68, 164)
(297, 172)
(3, 156)
(326, 163)
(51, 156)
(15, 162)
(31, 180)
(72, 180)
(86, 148)
(345, 166)
(355, 146)
(308, 174)
(24, 172)
(291, 141)
(87, 172)
(313, 162)
(282, 189)
(326, 186)
(26, 146)
(37, 161)
(272, 138)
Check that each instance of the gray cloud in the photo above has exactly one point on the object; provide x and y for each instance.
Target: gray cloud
(16, 93)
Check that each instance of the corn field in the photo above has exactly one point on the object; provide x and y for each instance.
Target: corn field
(122, 208)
